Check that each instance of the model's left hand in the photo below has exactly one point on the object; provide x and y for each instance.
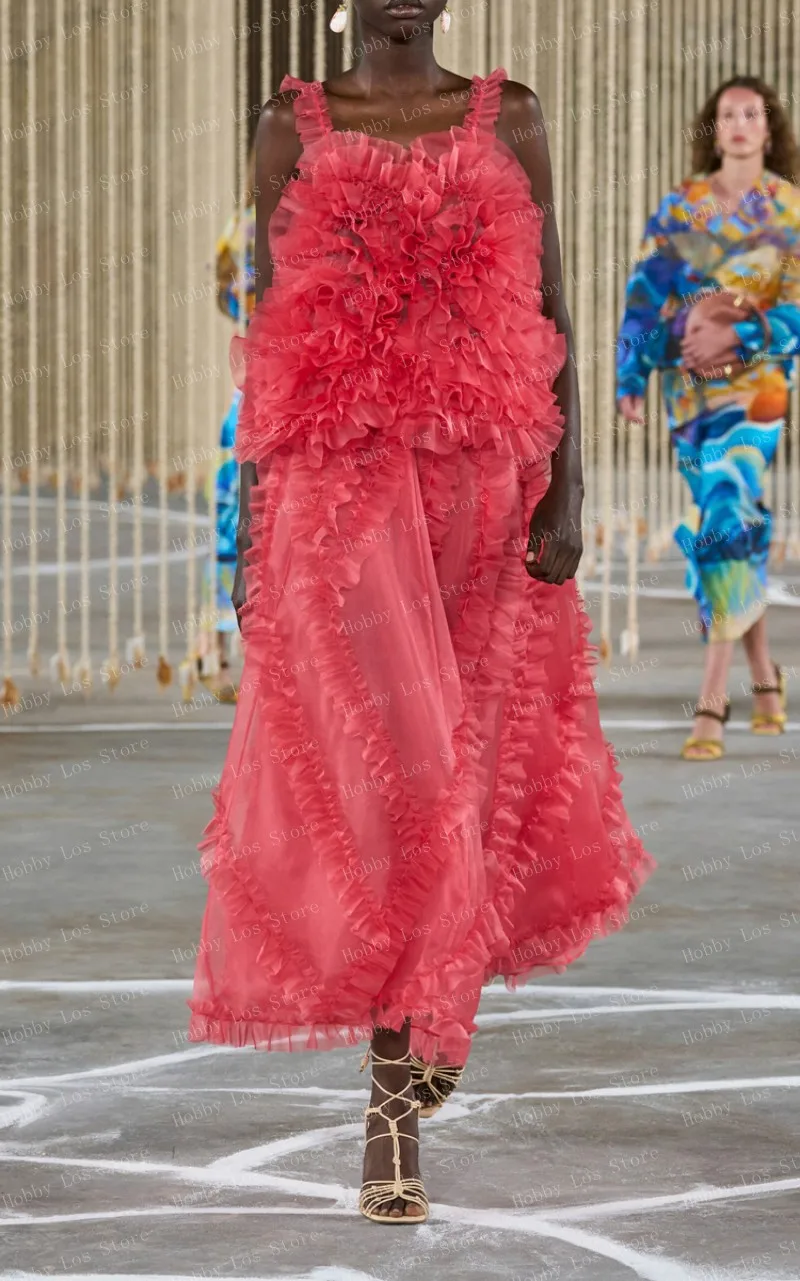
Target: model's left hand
(236, 360)
(555, 544)
(709, 345)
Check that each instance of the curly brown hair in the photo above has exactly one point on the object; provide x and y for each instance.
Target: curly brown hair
(781, 156)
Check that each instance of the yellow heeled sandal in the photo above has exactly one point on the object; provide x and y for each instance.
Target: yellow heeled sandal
(376, 1192)
(771, 723)
(433, 1085)
(707, 749)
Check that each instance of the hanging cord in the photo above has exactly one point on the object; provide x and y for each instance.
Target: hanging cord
(9, 694)
(135, 645)
(164, 670)
(792, 433)
(606, 416)
(33, 345)
(583, 304)
(60, 662)
(629, 640)
(82, 672)
(246, 196)
(187, 670)
(111, 667)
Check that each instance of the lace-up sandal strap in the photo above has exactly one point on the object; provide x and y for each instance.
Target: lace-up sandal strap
(374, 1194)
(761, 687)
(377, 1192)
(722, 717)
(767, 723)
(433, 1085)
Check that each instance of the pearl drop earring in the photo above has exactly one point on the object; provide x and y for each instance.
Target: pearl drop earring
(339, 19)
(447, 18)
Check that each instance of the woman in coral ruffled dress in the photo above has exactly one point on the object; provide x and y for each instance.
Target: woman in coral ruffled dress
(417, 796)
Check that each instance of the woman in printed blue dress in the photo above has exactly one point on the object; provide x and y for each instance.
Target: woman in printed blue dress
(714, 302)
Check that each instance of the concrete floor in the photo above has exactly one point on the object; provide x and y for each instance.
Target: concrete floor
(638, 1116)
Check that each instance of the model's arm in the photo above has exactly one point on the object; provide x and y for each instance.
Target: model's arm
(555, 545)
(646, 342)
(783, 320)
(277, 151)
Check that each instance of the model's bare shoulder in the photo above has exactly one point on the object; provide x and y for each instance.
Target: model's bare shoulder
(276, 122)
(520, 112)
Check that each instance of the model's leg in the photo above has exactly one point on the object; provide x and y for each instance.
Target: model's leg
(392, 1078)
(713, 696)
(727, 554)
(762, 667)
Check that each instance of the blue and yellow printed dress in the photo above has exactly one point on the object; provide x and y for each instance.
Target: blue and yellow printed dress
(725, 431)
(238, 239)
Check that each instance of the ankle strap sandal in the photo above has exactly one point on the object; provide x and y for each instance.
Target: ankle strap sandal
(433, 1085)
(377, 1192)
(768, 723)
(706, 749)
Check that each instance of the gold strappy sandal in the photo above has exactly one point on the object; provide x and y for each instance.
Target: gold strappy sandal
(376, 1192)
(433, 1085)
(770, 723)
(707, 749)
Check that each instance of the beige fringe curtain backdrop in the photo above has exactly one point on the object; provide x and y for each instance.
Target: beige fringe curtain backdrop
(124, 128)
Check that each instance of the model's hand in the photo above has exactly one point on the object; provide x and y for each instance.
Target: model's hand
(706, 345)
(236, 360)
(555, 543)
(238, 591)
(631, 408)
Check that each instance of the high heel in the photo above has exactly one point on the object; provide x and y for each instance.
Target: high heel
(377, 1192)
(433, 1085)
(770, 723)
(712, 749)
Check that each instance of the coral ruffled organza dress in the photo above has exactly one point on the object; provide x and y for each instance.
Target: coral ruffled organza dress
(417, 796)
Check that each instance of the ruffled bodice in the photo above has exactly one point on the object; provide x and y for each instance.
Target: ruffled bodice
(405, 302)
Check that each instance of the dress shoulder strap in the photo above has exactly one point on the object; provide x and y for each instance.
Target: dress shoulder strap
(487, 99)
(312, 120)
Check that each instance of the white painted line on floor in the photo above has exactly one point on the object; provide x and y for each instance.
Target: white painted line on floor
(104, 727)
(648, 1267)
(120, 1069)
(96, 985)
(150, 512)
(318, 1274)
(189, 727)
(777, 594)
(673, 1201)
(554, 1225)
(579, 990)
(23, 1113)
(324, 1093)
(51, 568)
(171, 1212)
(668, 999)
(664, 1087)
(255, 1158)
(587, 1012)
(495, 988)
(189, 1173)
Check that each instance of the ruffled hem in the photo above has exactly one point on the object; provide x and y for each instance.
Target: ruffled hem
(506, 931)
